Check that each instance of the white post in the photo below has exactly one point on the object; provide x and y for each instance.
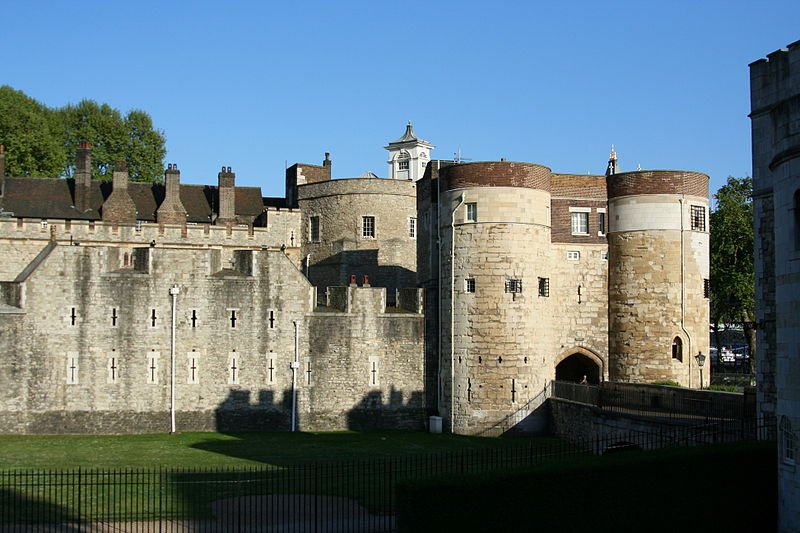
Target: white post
(295, 365)
(173, 291)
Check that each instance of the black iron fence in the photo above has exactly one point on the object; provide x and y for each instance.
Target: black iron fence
(320, 497)
(659, 401)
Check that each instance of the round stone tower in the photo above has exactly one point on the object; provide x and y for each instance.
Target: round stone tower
(494, 224)
(658, 251)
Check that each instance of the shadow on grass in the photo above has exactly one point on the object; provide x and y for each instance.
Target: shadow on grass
(20, 510)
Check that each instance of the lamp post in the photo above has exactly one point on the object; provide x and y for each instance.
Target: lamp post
(701, 359)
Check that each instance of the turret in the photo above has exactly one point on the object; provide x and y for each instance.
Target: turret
(658, 251)
(494, 221)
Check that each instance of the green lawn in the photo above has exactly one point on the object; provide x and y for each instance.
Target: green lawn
(204, 450)
(144, 477)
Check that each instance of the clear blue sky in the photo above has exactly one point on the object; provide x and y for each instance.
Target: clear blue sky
(253, 85)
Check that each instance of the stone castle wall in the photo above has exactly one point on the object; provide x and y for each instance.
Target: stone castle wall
(101, 358)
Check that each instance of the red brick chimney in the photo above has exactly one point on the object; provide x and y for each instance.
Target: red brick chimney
(171, 210)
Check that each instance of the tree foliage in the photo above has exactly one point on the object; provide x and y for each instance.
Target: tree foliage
(732, 266)
(30, 134)
(42, 141)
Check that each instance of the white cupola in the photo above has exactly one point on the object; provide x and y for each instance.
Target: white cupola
(408, 156)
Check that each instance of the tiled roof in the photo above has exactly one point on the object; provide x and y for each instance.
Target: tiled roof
(53, 198)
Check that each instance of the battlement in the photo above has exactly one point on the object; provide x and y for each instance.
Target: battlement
(282, 229)
(372, 300)
(775, 78)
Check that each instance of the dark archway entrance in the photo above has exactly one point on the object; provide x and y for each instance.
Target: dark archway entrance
(577, 365)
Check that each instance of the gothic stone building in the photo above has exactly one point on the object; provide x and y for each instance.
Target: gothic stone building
(450, 289)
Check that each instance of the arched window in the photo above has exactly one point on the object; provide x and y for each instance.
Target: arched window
(126, 260)
(677, 349)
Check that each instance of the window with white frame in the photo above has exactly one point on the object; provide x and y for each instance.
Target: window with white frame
(412, 227)
(368, 227)
(403, 164)
(573, 255)
(579, 217)
(601, 222)
(472, 212)
(313, 228)
(469, 285)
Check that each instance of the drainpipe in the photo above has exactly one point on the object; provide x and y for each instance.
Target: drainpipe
(452, 305)
(440, 385)
(689, 351)
(295, 365)
(173, 291)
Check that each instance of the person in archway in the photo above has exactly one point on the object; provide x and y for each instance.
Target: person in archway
(584, 381)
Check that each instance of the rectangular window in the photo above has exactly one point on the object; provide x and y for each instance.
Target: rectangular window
(698, 218)
(313, 228)
(514, 285)
(544, 287)
(472, 212)
(601, 222)
(412, 227)
(44, 223)
(580, 223)
(368, 227)
(469, 285)
(573, 255)
(138, 226)
(403, 165)
(707, 288)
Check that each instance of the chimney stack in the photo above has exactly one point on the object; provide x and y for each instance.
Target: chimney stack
(327, 163)
(83, 176)
(119, 206)
(227, 197)
(171, 211)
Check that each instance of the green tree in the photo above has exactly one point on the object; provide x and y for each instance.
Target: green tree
(145, 150)
(41, 141)
(113, 137)
(732, 268)
(30, 133)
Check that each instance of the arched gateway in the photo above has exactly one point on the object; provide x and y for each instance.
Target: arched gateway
(576, 363)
